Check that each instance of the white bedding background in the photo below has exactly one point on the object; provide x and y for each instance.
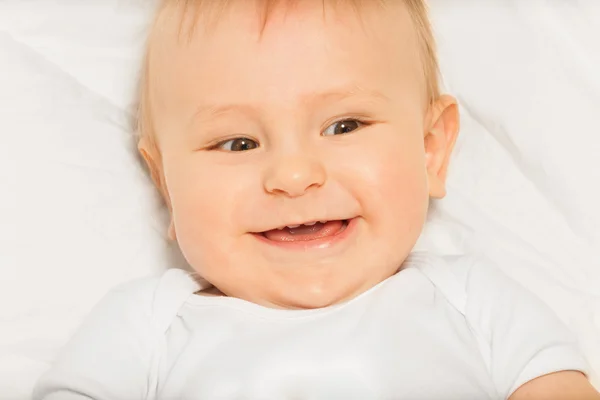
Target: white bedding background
(78, 215)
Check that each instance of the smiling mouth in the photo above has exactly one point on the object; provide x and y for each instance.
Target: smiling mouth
(306, 232)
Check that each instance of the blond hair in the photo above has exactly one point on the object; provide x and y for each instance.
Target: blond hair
(191, 9)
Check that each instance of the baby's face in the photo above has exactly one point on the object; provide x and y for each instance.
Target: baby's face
(318, 119)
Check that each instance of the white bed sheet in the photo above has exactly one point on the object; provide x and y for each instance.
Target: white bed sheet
(81, 215)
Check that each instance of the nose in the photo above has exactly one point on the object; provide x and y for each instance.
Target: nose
(293, 176)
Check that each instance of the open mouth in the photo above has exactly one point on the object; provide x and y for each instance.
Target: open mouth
(306, 232)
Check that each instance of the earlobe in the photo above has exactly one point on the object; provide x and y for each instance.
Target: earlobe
(444, 124)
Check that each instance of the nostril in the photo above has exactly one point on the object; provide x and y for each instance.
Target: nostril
(294, 176)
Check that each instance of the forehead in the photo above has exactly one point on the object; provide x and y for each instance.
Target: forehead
(312, 47)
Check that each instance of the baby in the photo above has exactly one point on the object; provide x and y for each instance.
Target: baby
(297, 145)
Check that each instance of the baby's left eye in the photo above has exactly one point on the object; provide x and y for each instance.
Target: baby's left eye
(343, 127)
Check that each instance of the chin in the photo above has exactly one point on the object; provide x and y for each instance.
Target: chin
(317, 296)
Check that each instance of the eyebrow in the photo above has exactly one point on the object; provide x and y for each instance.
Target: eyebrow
(338, 94)
(345, 92)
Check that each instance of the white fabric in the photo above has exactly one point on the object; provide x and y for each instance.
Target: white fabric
(75, 203)
(523, 183)
(436, 330)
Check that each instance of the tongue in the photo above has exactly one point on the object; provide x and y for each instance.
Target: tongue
(305, 233)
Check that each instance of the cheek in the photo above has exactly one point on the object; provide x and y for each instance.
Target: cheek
(203, 210)
(404, 199)
(390, 181)
(403, 181)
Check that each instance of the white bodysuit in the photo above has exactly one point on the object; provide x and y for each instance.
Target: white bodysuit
(452, 328)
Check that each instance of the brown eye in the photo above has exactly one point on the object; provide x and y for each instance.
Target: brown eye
(343, 127)
(238, 144)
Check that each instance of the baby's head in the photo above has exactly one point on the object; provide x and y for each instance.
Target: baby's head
(259, 115)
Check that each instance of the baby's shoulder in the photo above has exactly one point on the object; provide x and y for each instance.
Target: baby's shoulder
(520, 337)
(148, 302)
(112, 353)
(490, 300)
(471, 274)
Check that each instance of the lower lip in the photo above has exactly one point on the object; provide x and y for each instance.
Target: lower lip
(321, 243)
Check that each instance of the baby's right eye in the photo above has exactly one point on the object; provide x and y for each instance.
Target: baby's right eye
(237, 144)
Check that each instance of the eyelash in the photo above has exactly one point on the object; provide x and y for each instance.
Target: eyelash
(361, 122)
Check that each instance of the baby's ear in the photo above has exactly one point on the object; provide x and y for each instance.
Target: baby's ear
(151, 156)
(443, 125)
